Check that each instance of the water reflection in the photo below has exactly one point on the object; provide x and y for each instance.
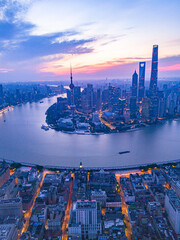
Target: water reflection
(22, 139)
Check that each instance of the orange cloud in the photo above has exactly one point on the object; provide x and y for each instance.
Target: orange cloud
(174, 67)
(59, 69)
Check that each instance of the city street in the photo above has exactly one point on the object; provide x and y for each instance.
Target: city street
(67, 212)
(104, 122)
(28, 213)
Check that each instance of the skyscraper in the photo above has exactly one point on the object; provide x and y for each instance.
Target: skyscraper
(142, 66)
(77, 96)
(99, 99)
(153, 107)
(154, 72)
(134, 84)
(89, 93)
(133, 108)
(85, 220)
(145, 108)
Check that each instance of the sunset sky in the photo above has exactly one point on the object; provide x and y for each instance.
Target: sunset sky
(100, 38)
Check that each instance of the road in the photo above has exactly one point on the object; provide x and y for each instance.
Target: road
(28, 213)
(81, 112)
(167, 185)
(104, 122)
(127, 173)
(128, 230)
(67, 211)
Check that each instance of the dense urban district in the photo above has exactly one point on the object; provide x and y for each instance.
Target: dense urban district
(38, 203)
(101, 107)
(106, 109)
(12, 94)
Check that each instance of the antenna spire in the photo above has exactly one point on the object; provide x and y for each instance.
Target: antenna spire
(71, 77)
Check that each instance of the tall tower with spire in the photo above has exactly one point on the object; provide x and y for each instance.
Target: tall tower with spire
(154, 72)
(134, 84)
(71, 86)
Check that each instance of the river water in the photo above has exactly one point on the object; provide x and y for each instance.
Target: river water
(23, 140)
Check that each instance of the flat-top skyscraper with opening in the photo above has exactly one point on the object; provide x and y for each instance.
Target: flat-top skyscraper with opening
(154, 72)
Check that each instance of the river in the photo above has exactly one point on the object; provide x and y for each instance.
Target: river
(23, 140)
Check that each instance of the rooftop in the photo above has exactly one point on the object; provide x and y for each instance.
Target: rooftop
(85, 204)
(5, 229)
(174, 199)
(10, 201)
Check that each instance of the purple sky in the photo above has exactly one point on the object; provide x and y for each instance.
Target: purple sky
(40, 38)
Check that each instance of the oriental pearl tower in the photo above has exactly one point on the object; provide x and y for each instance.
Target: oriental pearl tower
(71, 86)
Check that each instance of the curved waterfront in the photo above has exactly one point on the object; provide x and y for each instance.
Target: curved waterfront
(23, 140)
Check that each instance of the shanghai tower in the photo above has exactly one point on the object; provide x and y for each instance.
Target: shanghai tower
(142, 66)
(154, 72)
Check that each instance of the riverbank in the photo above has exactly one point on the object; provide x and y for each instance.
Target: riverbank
(143, 167)
(3, 110)
(127, 128)
(72, 124)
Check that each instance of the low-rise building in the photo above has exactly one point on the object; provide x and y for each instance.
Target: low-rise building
(155, 209)
(66, 124)
(138, 185)
(39, 213)
(100, 196)
(128, 192)
(36, 230)
(56, 214)
(158, 176)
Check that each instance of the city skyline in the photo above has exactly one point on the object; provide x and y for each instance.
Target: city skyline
(39, 39)
(89, 119)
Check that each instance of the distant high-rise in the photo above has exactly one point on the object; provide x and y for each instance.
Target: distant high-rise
(154, 72)
(99, 99)
(90, 95)
(61, 105)
(77, 96)
(134, 84)
(142, 66)
(114, 98)
(133, 108)
(145, 108)
(153, 107)
(1, 94)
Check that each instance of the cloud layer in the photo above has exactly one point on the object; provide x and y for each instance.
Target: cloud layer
(40, 38)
